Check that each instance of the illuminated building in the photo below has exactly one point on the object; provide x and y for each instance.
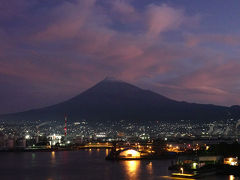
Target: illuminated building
(231, 161)
(54, 139)
(129, 153)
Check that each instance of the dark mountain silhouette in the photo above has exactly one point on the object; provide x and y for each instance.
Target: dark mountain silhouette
(113, 100)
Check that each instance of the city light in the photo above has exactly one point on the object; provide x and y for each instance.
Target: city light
(231, 161)
(130, 154)
(181, 170)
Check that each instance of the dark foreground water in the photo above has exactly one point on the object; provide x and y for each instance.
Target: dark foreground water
(84, 164)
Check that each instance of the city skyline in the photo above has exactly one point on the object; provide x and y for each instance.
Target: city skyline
(52, 51)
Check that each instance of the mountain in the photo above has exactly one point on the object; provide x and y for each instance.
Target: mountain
(113, 100)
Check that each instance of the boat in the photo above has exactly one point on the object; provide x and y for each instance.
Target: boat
(196, 166)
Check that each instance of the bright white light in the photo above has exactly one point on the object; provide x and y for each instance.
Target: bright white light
(181, 170)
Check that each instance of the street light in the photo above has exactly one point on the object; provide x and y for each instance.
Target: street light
(181, 170)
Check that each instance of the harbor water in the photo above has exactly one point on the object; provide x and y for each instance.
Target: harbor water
(82, 164)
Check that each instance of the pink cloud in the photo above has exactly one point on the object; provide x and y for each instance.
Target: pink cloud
(123, 11)
(227, 39)
(80, 45)
(213, 82)
(123, 7)
(133, 54)
(70, 19)
(163, 18)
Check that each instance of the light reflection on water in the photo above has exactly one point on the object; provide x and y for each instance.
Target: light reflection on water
(53, 155)
(33, 156)
(83, 164)
(107, 152)
(90, 151)
(150, 168)
(232, 177)
(132, 168)
(53, 158)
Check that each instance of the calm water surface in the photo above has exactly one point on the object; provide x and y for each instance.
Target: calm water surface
(84, 164)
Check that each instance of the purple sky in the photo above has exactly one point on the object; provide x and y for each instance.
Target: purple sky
(52, 50)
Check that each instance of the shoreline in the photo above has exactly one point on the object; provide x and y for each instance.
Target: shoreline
(50, 149)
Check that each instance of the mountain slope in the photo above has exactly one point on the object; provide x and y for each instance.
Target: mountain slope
(111, 100)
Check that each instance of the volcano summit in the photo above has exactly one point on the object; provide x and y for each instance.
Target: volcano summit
(114, 100)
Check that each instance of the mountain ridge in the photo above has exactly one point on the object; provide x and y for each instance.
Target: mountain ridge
(113, 100)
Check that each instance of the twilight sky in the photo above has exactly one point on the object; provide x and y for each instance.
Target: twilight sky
(51, 50)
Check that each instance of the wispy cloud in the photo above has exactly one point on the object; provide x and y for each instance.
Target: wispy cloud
(67, 46)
